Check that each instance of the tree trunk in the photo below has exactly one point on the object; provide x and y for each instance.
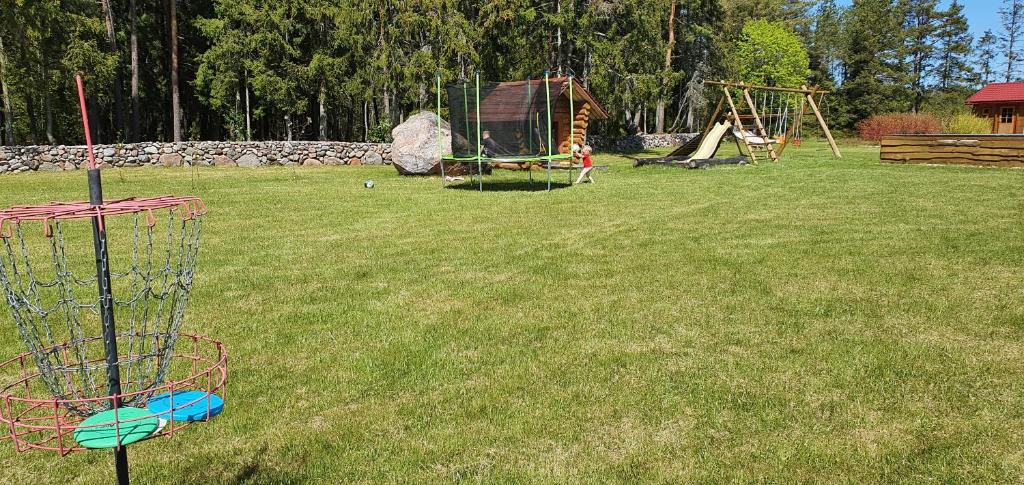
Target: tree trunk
(175, 95)
(587, 67)
(95, 127)
(48, 105)
(659, 121)
(8, 113)
(135, 131)
(108, 21)
(30, 112)
(323, 110)
(679, 116)
(288, 126)
(248, 110)
(558, 38)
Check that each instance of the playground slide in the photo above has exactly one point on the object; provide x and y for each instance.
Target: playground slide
(709, 145)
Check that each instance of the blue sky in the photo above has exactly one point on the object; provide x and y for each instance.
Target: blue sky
(981, 14)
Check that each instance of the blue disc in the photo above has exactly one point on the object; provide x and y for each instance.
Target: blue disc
(188, 406)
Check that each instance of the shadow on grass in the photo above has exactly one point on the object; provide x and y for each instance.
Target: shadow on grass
(509, 186)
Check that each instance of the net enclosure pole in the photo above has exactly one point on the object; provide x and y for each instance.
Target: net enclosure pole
(479, 144)
(547, 92)
(529, 125)
(572, 131)
(106, 297)
(465, 113)
(440, 149)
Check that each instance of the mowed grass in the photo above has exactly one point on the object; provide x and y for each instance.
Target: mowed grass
(814, 320)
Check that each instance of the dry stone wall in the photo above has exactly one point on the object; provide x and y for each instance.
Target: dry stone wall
(55, 158)
(636, 143)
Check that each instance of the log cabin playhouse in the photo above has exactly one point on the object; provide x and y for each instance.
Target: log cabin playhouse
(1002, 104)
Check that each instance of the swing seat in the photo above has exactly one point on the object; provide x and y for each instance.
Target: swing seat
(754, 139)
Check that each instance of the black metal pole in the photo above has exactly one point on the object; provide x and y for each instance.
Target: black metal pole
(99, 238)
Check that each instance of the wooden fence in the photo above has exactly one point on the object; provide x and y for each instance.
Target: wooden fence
(984, 150)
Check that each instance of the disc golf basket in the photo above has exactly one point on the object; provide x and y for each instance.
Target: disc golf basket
(68, 272)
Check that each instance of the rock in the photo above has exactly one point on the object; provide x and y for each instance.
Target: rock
(355, 161)
(48, 167)
(170, 160)
(373, 158)
(248, 160)
(415, 151)
(108, 152)
(222, 161)
(333, 161)
(312, 162)
(152, 150)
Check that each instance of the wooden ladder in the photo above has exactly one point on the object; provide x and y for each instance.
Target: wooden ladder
(767, 149)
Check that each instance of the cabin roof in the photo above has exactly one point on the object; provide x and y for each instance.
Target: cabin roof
(999, 93)
(580, 93)
(507, 95)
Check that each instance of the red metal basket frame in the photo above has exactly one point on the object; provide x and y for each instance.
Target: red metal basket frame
(191, 206)
(51, 423)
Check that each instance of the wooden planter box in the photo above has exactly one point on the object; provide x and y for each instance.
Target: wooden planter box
(982, 150)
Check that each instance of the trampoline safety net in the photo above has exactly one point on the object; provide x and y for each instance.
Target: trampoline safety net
(513, 118)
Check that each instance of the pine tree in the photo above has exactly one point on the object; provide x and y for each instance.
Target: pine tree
(985, 54)
(954, 38)
(1012, 16)
(823, 49)
(920, 27)
(873, 60)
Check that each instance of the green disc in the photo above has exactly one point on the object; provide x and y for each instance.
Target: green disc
(99, 431)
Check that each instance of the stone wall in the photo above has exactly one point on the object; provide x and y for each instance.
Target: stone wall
(636, 143)
(15, 159)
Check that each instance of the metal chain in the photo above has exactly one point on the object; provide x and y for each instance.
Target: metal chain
(149, 310)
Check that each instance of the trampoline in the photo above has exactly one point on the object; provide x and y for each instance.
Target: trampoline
(502, 124)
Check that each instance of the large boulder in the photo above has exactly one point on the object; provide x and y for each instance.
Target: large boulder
(414, 151)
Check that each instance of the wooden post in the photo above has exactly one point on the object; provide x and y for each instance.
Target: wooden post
(757, 120)
(739, 124)
(824, 126)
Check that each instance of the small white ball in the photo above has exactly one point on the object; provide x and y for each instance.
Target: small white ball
(575, 148)
(368, 184)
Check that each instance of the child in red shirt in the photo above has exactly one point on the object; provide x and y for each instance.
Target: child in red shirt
(588, 165)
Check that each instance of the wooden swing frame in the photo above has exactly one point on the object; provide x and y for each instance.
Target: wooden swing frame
(809, 95)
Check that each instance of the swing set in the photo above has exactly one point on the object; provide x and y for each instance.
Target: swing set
(764, 121)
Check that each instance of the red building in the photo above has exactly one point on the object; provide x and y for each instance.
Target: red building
(1002, 103)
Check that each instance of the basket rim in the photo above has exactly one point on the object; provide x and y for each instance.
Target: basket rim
(26, 418)
(191, 206)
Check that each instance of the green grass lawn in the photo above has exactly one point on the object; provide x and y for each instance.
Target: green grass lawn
(813, 320)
